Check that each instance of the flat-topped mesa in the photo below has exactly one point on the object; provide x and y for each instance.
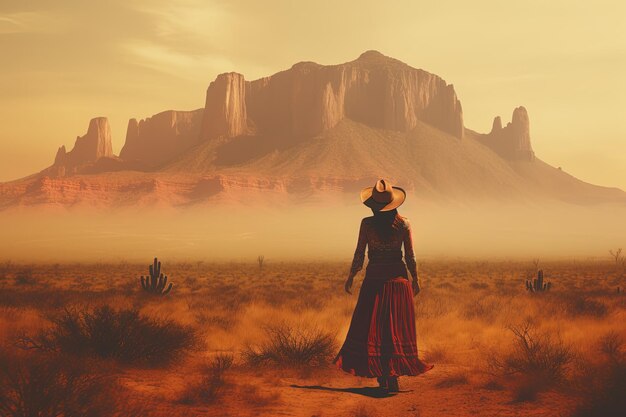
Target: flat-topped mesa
(309, 98)
(225, 107)
(95, 144)
(156, 140)
(512, 141)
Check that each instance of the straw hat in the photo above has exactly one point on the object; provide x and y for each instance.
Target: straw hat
(383, 196)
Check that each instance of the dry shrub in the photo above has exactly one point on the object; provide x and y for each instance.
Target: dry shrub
(212, 383)
(123, 335)
(528, 388)
(611, 345)
(536, 353)
(538, 360)
(605, 382)
(438, 353)
(287, 345)
(585, 306)
(51, 385)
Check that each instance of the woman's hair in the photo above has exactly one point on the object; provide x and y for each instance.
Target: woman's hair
(386, 221)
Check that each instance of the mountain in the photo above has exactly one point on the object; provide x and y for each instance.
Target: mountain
(306, 134)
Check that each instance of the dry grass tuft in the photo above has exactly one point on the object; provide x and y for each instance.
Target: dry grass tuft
(212, 384)
(287, 345)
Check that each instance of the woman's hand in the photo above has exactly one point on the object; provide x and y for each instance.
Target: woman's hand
(348, 285)
(416, 287)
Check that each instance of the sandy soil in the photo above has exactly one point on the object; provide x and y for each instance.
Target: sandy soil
(464, 315)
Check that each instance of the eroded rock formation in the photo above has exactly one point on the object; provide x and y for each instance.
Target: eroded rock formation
(95, 144)
(156, 140)
(309, 98)
(294, 105)
(512, 141)
(225, 107)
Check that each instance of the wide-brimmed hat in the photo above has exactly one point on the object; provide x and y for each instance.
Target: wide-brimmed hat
(383, 196)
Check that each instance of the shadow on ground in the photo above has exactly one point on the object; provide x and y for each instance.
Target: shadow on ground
(372, 392)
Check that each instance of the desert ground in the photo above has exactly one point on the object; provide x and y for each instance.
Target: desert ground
(240, 339)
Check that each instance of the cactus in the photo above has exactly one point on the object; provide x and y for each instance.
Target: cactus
(260, 260)
(538, 285)
(156, 282)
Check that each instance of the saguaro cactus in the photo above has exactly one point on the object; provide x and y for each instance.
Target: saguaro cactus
(537, 285)
(156, 282)
(260, 260)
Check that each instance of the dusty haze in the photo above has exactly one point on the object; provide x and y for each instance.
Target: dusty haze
(309, 233)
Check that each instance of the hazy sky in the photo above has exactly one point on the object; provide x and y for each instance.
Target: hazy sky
(64, 62)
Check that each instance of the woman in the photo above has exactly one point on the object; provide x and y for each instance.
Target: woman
(381, 341)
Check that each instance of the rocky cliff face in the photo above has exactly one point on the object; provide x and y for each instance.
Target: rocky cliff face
(512, 142)
(300, 103)
(156, 140)
(225, 108)
(295, 105)
(309, 98)
(95, 144)
(296, 135)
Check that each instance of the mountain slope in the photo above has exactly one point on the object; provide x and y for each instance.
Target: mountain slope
(307, 134)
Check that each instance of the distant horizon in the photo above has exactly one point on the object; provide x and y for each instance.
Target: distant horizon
(553, 232)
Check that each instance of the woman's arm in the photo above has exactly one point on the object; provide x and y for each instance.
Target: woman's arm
(359, 257)
(409, 257)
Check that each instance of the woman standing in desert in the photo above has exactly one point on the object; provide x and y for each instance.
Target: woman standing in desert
(381, 341)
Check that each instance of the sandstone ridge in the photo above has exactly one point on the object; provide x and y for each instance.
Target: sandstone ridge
(305, 134)
(88, 149)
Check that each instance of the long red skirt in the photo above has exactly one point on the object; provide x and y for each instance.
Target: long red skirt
(381, 340)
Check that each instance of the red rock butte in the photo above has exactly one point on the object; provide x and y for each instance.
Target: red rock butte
(301, 133)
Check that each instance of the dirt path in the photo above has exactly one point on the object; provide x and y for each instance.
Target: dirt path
(444, 391)
(438, 393)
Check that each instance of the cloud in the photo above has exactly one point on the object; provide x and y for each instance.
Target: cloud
(173, 62)
(187, 39)
(26, 22)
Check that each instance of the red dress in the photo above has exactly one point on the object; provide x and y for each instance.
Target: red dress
(381, 340)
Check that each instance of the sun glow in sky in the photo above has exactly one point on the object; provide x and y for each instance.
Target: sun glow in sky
(66, 62)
